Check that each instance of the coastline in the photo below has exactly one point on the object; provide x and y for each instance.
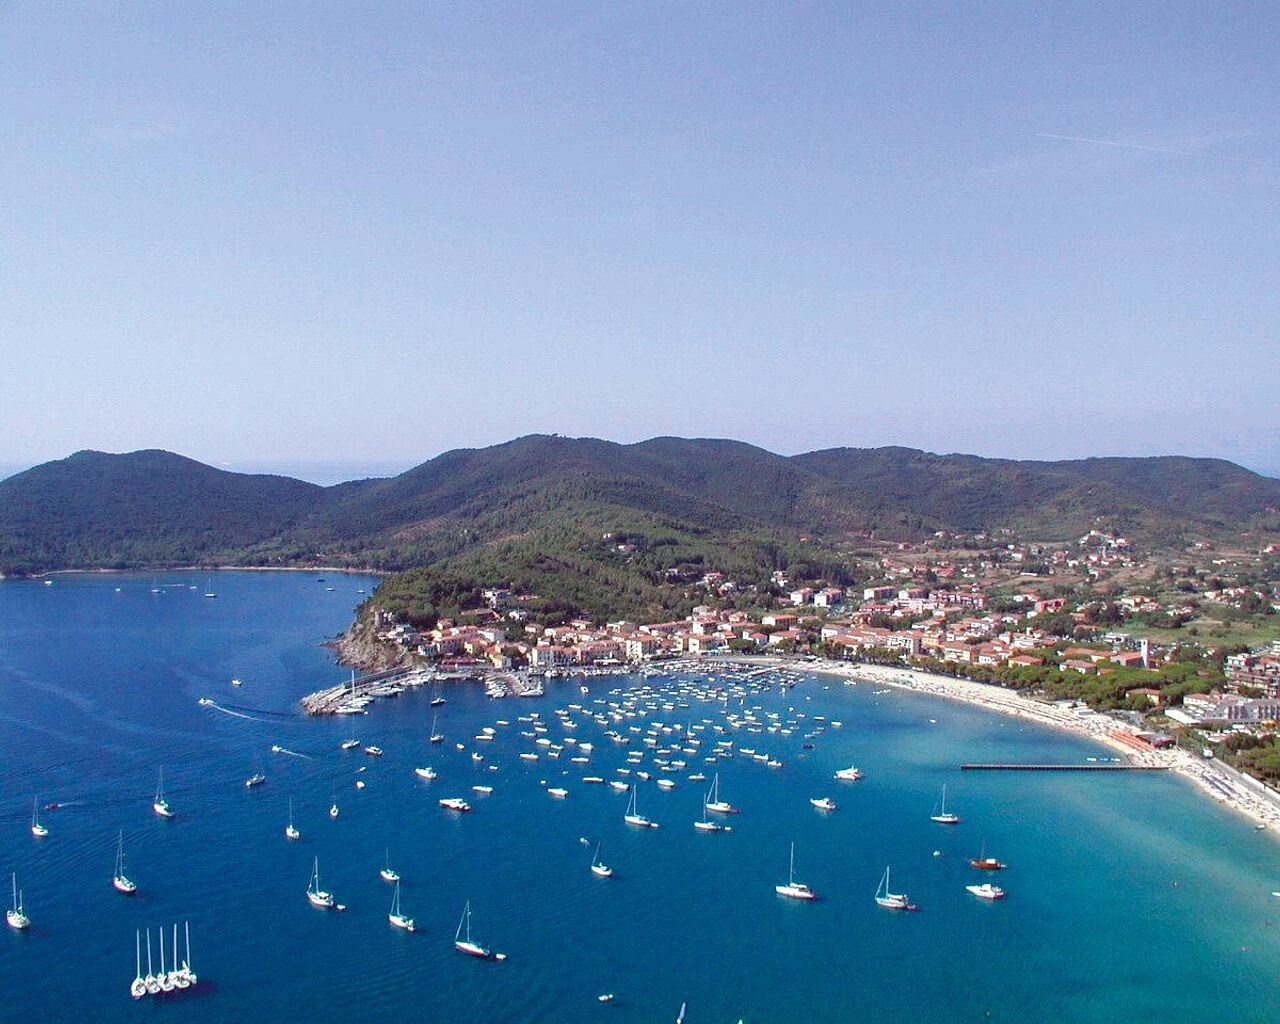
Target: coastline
(344, 570)
(1206, 774)
(1223, 784)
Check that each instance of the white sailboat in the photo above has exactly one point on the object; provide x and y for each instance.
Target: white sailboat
(633, 817)
(138, 987)
(151, 981)
(316, 896)
(388, 873)
(192, 977)
(705, 824)
(160, 805)
(714, 803)
(16, 917)
(291, 832)
(178, 975)
(941, 814)
(395, 916)
(436, 735)
(120, 880)
(599, 869)
(463, 942)
(208, 588)
(37, 830)
(796, 890)
(165, 978)
(891, 900)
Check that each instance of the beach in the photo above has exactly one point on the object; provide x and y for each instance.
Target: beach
(1244, 795)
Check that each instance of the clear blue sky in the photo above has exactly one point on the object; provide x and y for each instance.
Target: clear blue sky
(281, 234)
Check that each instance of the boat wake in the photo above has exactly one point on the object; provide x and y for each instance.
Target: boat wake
(276, 749)
(205, 702)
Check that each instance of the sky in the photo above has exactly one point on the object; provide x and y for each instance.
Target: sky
(325, 237)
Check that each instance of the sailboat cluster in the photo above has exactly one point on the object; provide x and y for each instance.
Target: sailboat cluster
(179, 977)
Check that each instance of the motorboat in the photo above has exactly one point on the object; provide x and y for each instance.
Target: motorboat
(986, 891)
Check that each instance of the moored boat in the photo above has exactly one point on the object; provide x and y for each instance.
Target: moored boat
(388, 873)
(120, 880)
(892, 900)
(986, 891)
(598, 868)
(395, 916)
(940, 813)
(316, 896)
(464, 943)
(984, 863)
(633, 817)
(793, 889)
(16, 917)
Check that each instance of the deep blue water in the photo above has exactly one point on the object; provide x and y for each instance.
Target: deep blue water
(1131, 897)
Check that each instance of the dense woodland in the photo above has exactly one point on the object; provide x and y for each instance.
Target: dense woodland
(591, 526)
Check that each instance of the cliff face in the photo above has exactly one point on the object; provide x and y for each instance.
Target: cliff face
(359, 648)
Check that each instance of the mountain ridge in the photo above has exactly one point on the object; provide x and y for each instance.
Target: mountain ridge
(152, 508)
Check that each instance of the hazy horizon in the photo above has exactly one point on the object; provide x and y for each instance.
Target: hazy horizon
(320, 233)
(330, 472)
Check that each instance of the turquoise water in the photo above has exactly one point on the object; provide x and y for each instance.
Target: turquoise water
(1129, 897)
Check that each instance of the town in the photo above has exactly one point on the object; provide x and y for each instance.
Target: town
(1189, 646)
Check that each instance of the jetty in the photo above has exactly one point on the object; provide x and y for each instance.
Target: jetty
(971, 767)
(351, 698)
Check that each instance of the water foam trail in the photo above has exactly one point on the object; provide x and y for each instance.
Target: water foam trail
(227, 711)
(291, 753)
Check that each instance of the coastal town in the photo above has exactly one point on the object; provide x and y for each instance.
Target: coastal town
(1087, 636)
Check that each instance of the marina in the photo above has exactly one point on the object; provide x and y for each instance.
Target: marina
(538, 869)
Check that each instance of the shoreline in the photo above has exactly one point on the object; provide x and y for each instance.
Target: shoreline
(344, 570)
(1206, 774)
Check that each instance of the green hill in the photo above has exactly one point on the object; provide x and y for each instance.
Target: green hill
(593, 524)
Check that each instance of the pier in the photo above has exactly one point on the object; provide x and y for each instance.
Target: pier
(1063, 768)
(351, 697)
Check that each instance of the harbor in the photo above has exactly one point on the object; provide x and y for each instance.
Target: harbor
(558, 787)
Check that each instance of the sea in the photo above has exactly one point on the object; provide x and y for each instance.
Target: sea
(1130, 896)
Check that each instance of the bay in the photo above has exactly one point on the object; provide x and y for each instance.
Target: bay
(1129, 895)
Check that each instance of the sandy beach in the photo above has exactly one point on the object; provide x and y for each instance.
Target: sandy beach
(1244, 795)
